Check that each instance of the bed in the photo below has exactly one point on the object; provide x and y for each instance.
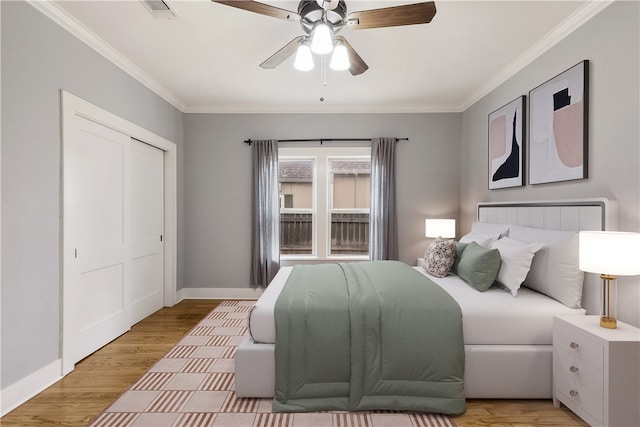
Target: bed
(507, 338)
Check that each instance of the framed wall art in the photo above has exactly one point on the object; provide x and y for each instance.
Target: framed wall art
(506, 145)
(558, 127)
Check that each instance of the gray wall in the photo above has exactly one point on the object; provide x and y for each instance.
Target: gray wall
(611, 41)
(218, 180)
(38, 60)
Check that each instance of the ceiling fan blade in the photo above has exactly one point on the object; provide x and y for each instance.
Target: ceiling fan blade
(261, 8)
(419, 13)
(285, 52)
(358, 66)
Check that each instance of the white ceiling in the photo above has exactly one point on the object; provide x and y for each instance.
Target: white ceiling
(207, 58)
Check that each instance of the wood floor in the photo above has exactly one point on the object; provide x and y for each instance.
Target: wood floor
(100, 378)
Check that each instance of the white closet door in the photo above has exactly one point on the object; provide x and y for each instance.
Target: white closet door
(96, 221)
(147, 256)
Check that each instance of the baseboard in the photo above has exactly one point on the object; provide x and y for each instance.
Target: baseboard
(218, 293)
(18, 393)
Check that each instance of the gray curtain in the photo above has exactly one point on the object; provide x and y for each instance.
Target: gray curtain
(265, 227)
(383, 227)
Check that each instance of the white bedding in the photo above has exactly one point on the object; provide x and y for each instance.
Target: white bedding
(496, 317)
(493, 317)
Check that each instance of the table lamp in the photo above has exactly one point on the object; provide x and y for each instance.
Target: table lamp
(610, 254)
(440, 228)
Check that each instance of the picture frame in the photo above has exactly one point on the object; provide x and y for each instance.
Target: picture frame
(558, 127)
(506, 151)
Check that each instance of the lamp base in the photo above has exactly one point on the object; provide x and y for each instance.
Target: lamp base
(609, 300)
(608, 322)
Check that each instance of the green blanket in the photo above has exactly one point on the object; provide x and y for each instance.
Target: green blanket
(366, 336)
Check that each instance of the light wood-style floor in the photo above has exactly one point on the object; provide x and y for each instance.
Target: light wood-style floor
(100, 378)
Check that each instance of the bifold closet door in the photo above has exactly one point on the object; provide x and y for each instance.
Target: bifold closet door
(147, 255)
(96, 225)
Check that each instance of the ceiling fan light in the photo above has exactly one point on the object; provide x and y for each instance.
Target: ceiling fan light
(322, 39)
(304, 59)
(340, 58)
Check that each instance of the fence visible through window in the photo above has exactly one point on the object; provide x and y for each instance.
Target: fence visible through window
(349, 233)
(296, 233)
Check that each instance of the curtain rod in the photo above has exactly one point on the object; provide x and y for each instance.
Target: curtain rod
(322, 140)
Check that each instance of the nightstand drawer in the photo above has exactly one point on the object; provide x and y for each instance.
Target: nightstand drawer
(578, 344)
(577, 373)
(578, 397)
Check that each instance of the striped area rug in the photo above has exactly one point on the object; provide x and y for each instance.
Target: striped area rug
(193, 386)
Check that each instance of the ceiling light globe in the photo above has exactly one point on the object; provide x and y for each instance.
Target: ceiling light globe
(322, 39)
(304, 59)
(340, 58)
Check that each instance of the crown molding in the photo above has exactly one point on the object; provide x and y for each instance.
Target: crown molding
(322, 109)
(583, 14)
(66, 21)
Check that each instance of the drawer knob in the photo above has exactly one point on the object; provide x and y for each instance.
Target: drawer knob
(573, 393)
(574, 345)
(573, 369)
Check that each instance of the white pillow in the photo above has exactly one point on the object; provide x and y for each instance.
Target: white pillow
(480, 238)
(490, 229)
(554, 270)
(516, 260)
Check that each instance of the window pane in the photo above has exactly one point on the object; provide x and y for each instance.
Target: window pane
(296, 206)
(296, 233)
(349, 233)
(350, 197)
(351, 183)
(296, 183)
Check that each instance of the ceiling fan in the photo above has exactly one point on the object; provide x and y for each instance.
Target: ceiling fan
(321, 20)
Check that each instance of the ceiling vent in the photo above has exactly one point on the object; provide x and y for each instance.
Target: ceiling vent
(159, 9)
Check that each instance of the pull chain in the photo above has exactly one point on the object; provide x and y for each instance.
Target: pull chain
(323, 76)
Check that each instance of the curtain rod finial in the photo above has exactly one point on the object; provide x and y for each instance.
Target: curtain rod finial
(248, 141)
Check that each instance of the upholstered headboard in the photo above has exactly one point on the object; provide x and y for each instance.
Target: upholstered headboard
(566, 215)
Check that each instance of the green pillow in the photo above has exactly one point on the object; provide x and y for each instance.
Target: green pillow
(459, 249)
(479, 266)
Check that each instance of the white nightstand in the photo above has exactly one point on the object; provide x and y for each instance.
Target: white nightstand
(596, 371)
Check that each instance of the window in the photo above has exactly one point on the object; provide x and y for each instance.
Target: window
(295, 178)
(350, 180)
(288, 201)
(324, 202)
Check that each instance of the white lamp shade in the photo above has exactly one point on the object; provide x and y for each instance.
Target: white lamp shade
(322, 39)
(340, 58)
(304, 58)
(440, 228)
(610, 252)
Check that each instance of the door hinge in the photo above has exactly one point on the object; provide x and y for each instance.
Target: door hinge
(161, 237)
(75, 253)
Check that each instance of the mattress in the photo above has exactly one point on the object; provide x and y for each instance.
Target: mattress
(494, 317)
(262, 323)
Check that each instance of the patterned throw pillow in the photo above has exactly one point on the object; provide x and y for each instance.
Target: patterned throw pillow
(439, 257)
